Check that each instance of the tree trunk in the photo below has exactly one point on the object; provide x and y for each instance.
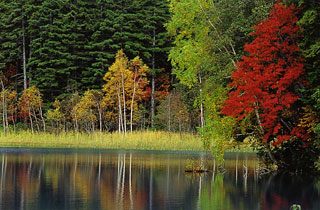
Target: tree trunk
(41, 115)
(4, 110)
(30, 55)
(64, 125)
(201, 104)
(30, 118)
(219, 36)
(180, 128)
(35, 118)
(24, 57)
(262, 133)
(76, 122)
(93, 126)
(153, 79)
(119, 126)
(133, 95)
(132, 100)
(3, 115)
(124, 105)
(6, 115)
(169, 113)
(120, 112)
(100, 118)
(14, 123)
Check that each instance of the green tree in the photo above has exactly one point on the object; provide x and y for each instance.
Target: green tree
(207, 38)
(309, 22)
(157, 42)
(13, 36)
(49, 63)
(102, 48)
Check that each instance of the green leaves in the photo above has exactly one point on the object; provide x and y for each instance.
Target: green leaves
(209, 38)
(70, 44)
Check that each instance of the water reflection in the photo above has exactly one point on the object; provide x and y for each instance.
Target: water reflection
(38, 179)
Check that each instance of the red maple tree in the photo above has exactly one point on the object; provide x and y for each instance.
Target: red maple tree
(264, 80)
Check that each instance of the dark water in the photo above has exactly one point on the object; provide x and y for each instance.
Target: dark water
(70, 179)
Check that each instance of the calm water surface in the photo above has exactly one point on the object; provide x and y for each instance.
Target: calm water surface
(71, 179)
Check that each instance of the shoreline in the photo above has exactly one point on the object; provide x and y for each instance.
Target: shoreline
(146, 141)
(136, 141)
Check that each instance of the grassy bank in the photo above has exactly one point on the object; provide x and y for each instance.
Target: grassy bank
(147, 140)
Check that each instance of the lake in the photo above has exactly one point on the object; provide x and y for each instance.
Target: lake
(81, 179)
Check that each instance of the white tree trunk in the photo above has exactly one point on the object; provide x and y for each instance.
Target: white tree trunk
(3, 115)
(100, 118)
(153, 78)
(4, 111)
(41, 115)
(133, 95)
(120, 112)
(169, 114)
(30, 117)
(76, 122)
(201, 104)
(124, 105)
(24, 57)
(35, 118)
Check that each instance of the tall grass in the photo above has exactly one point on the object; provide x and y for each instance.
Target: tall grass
(146, 140)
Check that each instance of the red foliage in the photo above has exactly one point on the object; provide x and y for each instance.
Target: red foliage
(8, 74)
(163, 85)
(264, 79)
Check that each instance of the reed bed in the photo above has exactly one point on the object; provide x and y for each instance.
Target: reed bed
(146, 140)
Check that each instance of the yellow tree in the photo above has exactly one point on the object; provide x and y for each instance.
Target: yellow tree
(8, 108)
(84, 113)
(125, 85)
(30, 104)
(4, 94)
(96, 97)
(116, 85)
(69, 104)
(92, 103)
(55, 115)
(12, 107)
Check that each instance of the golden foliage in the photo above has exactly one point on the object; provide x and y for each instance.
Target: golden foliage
(309, 120)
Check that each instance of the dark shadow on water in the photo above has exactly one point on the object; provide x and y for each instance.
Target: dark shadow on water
(284, 190)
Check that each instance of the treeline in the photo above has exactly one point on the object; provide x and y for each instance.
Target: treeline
(63, 47)
(242, 70)
(255, 65)
(118, 105)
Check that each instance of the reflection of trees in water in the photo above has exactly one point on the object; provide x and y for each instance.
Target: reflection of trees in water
(76, 181)
(283, 190)
(241, 188)
(138, 181)
(236, 187)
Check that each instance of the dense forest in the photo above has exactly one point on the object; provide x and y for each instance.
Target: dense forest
(65, 48)
(230, 70)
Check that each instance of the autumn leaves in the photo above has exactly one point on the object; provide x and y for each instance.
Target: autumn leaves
(266, 81)
(125, 87)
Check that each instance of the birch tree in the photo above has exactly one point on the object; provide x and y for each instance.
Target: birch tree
(139, 82)
(116, 86)
(30, 105)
